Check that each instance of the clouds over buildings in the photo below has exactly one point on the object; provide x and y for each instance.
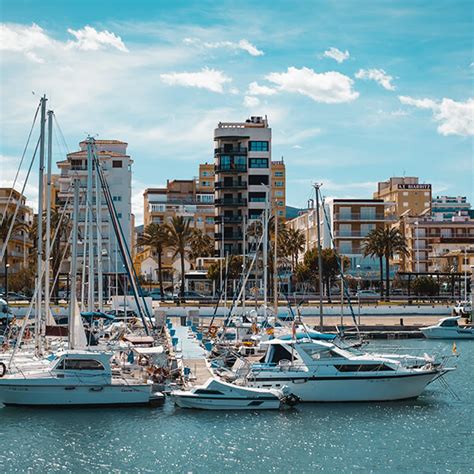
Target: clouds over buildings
(210, 79)
(377, 75)
(336, 54)
(455, 118)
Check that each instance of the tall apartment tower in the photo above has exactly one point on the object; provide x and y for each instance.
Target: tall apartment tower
(407, 195)
(117, 167)
(278, 184)
(242, 179)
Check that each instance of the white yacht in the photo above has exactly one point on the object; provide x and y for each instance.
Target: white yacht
(448, 328)
(216, 394)
(76, 377)
(319, 371)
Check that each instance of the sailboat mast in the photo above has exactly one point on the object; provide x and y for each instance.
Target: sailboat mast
(48, 220)
(275, 265)
(90, 237)
(73, 276)
(39, 230)
(320, 259)
(265, 256)
(98, 200)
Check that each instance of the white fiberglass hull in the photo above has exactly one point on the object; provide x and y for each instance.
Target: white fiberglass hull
(197, 402)
(73, 395)
(349, 389)
(436, 332)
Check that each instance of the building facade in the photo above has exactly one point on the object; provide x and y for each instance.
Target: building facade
(444, 208)
(242, 179)
(278, 187)
(19, 244)
(406, 195)
(117, 166)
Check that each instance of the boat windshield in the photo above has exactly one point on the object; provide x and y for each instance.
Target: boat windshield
(449, 323)
(318, 353)
(79, 364)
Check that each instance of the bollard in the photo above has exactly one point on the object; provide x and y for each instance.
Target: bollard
(401, 321)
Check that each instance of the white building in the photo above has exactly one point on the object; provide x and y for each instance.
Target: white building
(117, 169)
(242, 177)
(444, 208)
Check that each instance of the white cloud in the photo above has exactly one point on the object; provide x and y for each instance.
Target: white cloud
(256, 89)
(336, 54)
(377, 75)
(210, 79)
(297, 147)
(455, 118)
(251, 101)
(24, 39)
(243, 45)
(283, 137)
(327, 87)
(89, 38)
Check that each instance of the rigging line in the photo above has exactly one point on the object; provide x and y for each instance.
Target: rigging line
(5, 243)
(61, 134)
(21, 162)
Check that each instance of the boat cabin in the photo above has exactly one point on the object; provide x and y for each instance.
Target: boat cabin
(76, 363)
(449, 323)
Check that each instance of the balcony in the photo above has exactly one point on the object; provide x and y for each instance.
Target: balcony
(231, 202)
(231, 185)
(228, 219)
(233, 151)
(362, 217)
(229, 236)
(231, 168)
(350, 234)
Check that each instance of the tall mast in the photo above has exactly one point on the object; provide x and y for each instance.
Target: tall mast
(265, 256)
(73, 276)
(275, 265)
(39, 229)
(48, 220)
(90, 237)
(98, 200)
(244, 260)
(320, 260)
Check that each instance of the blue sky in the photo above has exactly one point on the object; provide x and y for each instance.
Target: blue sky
(355, 91)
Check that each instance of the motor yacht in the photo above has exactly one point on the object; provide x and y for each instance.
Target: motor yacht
(75, 377)
(320, 371)
(448, 328)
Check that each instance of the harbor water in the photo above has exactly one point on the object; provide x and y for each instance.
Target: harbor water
(431, 434)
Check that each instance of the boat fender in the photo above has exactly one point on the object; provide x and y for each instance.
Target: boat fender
(3, 369)
(213, 331)
(291, 400)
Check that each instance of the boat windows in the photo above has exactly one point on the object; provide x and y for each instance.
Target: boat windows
(203, 391)
(317, 353)
(449, 323)
(79, 364)
(279, 353)
(363, 367)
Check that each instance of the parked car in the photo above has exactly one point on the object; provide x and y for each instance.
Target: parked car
(367, 294)
(156, 295)
(12, 296)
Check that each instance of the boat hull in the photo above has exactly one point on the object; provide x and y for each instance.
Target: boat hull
(447, 333)
(200, 403)
(350, 389)
(70, 395)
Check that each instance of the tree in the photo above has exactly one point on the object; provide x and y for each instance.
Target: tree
(157, 237)
(294, 241)
(180, 234)
(425, 286)
(17, 226)
(202, 245)
(373, 246)
(330, 263)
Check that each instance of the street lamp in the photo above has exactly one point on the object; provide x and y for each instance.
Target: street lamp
(7, 266)
(416, 247)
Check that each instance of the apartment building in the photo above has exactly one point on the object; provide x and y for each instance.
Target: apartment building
(19, 244)
(429, 240)
(278, 188)
(406, 195)
(117, 166)
(351, 220)
(242, 179)
(444, 208)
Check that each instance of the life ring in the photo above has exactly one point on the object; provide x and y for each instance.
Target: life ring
(3, 369)
(212, 331)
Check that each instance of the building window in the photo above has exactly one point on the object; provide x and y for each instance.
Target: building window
(119, 215)
(258, 179)
(279, 184)
(255, 213)
(258, 163)
(405, 193)
(405, 204)
(77, 165)
(280, 213)
(258, 146)
(279, 193)
(278, 174)
(116, 164)
(117, 198)
(209, 220)
(280, 203)
(257, 197)
(205, 183)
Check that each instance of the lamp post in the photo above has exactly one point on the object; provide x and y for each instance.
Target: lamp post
(7, 266)
(417, 256)
(358, 293)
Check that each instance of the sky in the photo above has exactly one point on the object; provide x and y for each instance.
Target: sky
(355, 91)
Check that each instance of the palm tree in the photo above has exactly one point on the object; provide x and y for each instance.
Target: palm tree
(180, 234)
(156, 236)
(202, 245)
(17, 226)
(393, 242)
(295, 243)
(373, 246)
